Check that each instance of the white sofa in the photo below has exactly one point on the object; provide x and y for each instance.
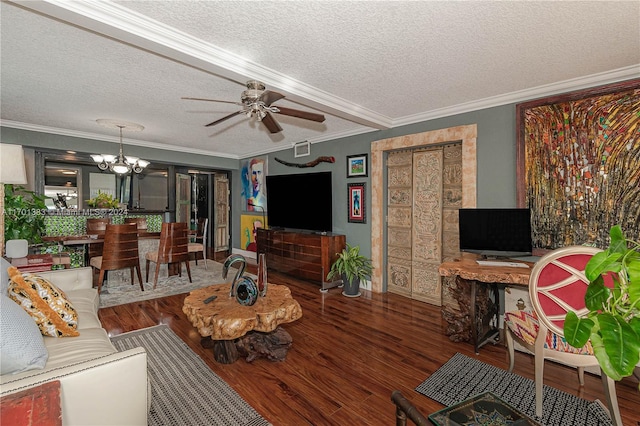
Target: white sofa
(99, 385)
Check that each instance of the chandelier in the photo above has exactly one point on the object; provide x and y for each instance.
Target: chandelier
(120, 163)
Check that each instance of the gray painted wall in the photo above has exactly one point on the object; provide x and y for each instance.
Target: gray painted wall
(496, 153)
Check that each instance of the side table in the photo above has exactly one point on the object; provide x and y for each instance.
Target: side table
(37, 406)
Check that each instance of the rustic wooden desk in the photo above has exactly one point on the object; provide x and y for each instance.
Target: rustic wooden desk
(474, 301)
(223, 322)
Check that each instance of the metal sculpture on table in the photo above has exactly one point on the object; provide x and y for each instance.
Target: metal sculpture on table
(243, 287)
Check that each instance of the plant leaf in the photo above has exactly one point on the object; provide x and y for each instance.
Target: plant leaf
(602, 262)
(597, 295)
(621, 344)
(618, 242)
(577, 330)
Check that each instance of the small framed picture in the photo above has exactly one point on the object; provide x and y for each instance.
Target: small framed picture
(357, 165)
(301, 149)
(357, 203)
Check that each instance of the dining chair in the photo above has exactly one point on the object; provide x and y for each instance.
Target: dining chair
(97, 226)
(173, 249)
(120, 251)
(200, 241)
(141, 222)
(557, 285)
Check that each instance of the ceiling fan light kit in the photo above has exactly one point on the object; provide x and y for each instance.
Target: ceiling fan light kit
(119, 164)
(256, 101)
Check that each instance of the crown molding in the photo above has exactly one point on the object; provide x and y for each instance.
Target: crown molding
(116, 21)
(112, 139)
(593, 80)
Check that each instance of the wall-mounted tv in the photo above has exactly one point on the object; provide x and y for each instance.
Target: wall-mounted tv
(300, 201)
(498, 232)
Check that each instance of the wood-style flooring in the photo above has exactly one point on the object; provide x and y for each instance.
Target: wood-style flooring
(348, 355)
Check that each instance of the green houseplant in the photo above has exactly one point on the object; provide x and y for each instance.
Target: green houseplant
(352, 267)
(24, 214)
(103, 201)
(613, 320)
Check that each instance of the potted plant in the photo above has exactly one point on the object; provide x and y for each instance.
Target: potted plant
(24, 214)
(103, 201)
(352, 267)
(613, 320)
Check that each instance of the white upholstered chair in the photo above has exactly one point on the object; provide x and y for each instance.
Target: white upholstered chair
(557, 285)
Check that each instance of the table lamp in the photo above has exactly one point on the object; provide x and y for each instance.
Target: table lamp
(12, 171)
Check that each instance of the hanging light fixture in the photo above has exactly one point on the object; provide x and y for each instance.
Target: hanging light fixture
(120, 164)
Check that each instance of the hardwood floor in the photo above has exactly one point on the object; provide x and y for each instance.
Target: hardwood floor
(348, 355)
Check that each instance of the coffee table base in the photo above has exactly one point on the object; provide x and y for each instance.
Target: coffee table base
(273, 346)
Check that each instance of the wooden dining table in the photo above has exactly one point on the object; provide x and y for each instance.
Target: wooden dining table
(74, 240)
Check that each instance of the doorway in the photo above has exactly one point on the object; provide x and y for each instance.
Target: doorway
(467, 136)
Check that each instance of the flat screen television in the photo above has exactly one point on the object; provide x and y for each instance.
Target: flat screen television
(498, 232)
(300, 201)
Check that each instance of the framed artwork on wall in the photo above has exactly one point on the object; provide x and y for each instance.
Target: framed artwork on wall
(357, 165)
(357, 203)
(578, 162)
(249, 225)
(254, 192)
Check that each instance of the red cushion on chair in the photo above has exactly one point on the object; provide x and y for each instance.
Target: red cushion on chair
(571, 286)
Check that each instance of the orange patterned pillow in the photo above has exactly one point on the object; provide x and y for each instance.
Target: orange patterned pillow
(47, 304)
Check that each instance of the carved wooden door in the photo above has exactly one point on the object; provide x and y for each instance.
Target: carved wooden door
(424, 195)
(183, 198)
(221, 241)
(399, 221)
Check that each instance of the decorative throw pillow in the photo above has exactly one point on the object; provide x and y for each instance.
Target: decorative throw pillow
(47, 304)
(525, 325)
(4, 275)
(21, 346)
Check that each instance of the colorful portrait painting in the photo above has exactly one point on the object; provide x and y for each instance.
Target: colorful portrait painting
(249, 225)
(356, 203)
(254, 192)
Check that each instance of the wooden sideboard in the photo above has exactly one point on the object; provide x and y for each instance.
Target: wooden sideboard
(301, 254)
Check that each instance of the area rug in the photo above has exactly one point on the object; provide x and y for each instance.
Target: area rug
(118, 290)
(462, 377)
(184, 389)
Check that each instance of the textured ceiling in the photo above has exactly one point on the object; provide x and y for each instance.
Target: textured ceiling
(365, 65)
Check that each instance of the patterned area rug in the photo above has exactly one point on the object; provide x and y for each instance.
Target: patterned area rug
(184, 389)
(118, 290)
(462, 377)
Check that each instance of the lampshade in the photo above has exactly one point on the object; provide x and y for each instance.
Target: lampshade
(12, 162)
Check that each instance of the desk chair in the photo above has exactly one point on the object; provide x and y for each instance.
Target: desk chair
(172, 249)
(196, 246)
(557, 285)
(120, 251)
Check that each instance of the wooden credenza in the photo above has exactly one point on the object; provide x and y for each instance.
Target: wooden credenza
(301, 254)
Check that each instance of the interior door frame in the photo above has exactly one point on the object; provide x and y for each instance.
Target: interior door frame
(467, 134)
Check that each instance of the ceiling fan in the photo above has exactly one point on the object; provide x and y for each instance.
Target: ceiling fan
(257, 101)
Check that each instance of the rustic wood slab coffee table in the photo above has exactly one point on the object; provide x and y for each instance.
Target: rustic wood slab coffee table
(234, 330)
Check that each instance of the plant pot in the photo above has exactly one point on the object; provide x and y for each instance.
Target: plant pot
(350, 288)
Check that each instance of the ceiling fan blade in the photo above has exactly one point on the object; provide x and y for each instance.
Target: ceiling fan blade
(271, 123)
(301, 114)
(224, 118)
(269, 97)
(212, 100)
